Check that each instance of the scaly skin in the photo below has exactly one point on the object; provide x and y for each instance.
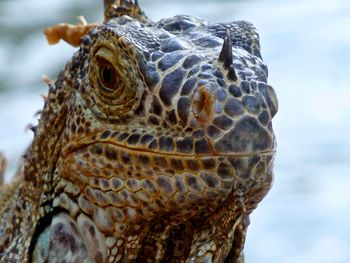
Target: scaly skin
(154, 145)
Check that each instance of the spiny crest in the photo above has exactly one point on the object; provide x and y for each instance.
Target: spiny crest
(117, 8)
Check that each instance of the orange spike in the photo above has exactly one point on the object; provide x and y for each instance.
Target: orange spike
(72, 34)
(46, 79)
(44, 97)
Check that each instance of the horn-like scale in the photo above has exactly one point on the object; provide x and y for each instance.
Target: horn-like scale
(226, 56)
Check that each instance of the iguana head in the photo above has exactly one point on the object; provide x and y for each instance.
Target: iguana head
(148, 121)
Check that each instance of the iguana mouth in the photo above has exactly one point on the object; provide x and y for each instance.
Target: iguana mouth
(146, 148)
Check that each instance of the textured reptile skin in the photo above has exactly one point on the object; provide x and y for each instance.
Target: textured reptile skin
(154, 145)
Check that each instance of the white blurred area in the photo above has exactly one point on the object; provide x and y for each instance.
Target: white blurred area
(305, 43)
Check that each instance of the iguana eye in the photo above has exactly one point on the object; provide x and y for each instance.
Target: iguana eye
(107, 76)
(114, 80)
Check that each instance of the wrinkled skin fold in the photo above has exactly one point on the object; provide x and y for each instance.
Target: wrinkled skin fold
(155, 144)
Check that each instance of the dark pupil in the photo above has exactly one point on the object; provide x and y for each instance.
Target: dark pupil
(106, 75)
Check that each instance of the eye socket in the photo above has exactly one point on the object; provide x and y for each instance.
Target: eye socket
(107, 76)
(115, 82)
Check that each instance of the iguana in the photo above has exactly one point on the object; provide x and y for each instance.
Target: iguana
(155, 144)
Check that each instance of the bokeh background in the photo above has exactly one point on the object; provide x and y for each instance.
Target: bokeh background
(305, 43)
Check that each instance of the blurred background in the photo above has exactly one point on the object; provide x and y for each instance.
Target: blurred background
(305, 43)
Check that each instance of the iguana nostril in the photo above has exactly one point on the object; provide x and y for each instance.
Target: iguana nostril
(203, 106)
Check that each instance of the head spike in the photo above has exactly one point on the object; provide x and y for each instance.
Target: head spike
(232, 73)
(38, 113)
(31, 127)
(3, 165)
(46, 79)
(116, 8)
(226, 52)
(44, 97)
